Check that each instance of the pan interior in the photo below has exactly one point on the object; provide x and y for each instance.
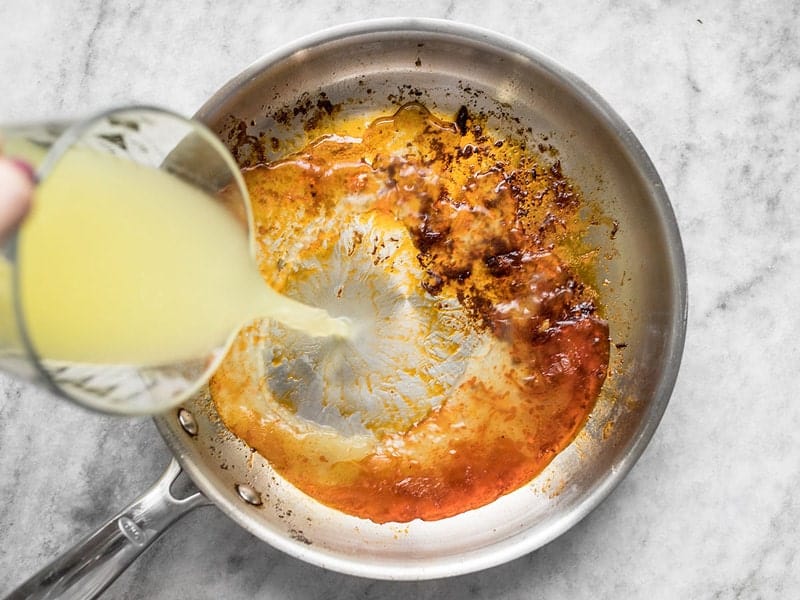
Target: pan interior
(377, 67)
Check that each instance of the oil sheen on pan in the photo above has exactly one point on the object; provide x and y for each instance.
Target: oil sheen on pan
(479, 348)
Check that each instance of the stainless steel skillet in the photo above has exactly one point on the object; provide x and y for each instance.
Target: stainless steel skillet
(379, 65)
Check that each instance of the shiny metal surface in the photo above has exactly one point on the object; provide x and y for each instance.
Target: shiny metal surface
(93, 564)
(187, 421)
(248, 494)
(378, 65)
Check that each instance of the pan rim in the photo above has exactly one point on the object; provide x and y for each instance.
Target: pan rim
(531, 540)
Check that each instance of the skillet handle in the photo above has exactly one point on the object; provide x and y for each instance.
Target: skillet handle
(94, 563)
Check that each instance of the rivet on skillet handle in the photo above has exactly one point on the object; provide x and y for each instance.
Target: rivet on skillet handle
(188, 422)
(95, 562)
(248, 494)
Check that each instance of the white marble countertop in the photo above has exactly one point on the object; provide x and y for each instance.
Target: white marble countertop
(712, 89)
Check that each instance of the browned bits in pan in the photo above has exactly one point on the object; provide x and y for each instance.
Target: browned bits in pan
(496, 228)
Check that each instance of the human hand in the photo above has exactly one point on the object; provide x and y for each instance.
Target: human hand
(16, 190)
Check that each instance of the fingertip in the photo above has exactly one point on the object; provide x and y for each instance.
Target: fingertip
(16, 191)
(26, 168)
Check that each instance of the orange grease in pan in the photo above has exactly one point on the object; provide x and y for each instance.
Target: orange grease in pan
(492, 228)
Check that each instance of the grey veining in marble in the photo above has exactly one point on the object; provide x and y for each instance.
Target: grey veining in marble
(712, 89)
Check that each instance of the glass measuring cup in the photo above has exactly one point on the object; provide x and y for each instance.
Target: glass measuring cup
(153, 138)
